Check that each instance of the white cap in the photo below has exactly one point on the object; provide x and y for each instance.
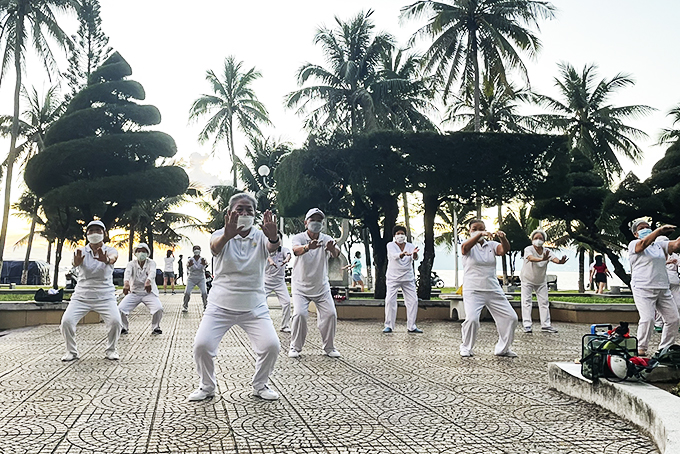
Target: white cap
(143, 246)
(634, 225)
(96, 222)
(314, 211)
(545, 235)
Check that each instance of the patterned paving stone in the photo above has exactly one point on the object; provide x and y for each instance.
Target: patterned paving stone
(395, 393)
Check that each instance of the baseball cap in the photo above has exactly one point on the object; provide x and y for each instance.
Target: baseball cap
(314, 211)
(96, 222)
(634, 225)
(143, 246)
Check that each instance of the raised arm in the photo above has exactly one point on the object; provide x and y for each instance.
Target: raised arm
(645, 242)
(470, 242)
(504, 247)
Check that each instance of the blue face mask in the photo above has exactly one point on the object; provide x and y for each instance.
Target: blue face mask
(644, 232)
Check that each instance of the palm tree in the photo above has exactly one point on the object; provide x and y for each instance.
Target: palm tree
(19, 20)
(498, 108)
(671, 135)
(28, 207)
(342, 96)
(594, 126)
(233, 99)
(463, 31)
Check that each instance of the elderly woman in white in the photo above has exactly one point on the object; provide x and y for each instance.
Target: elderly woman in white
(481, 288)
(534, 279)
(95, 291)
(139, 287)
(238, 297)
(649, 283)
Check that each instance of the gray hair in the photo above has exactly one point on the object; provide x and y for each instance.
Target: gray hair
(635, 224)
(545, 236)
(240, 196)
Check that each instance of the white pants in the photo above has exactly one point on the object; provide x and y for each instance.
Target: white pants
(193, 281)
(648, 300)
(151, 301)
(543, 304)
(501, 311)
(326, 320)
(77, 309)
(281, 292)
(408, 288)
(675, 292)
(260, 330)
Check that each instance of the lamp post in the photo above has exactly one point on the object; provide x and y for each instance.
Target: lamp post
(264, 172)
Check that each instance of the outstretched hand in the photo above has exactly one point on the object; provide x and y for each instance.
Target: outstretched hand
(563, 260)
(102, 256)
(330, 246)
(666, 229)
(78, 257)
(231, 227)
(269, 226)
(546, 255)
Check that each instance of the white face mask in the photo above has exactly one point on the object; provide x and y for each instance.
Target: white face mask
(400, 239)
(314, 226)
(537, 243)
(197, 253)
(141, 256)
(95, 238)
(245, 221)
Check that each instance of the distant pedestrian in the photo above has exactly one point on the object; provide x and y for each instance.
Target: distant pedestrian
(237, 298)
(139, 287)
(275, 282)
(481, 288)
(196, 266)
(310, 283)
(169, 272)
(355, 270)
(95, 291)
(650, 285)
(534, 279)
(180, 269)
(400, 258)
(599, 273)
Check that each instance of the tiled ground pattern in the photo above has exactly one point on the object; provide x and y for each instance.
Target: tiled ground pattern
(395, 393)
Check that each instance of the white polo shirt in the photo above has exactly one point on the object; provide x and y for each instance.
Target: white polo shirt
(648, 268)
(479, 267)
(169, 264)
(310, 270)
(274, 275)
(399, 268)
(238, 283)
(534, 273)
(138, 275)
(95, 278)
(672, 270)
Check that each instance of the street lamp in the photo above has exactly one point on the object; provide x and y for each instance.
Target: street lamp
(264, 172)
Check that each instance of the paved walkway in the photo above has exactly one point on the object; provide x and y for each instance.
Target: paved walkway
(394, 393)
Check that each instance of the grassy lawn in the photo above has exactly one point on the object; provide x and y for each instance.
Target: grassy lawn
(585, 299)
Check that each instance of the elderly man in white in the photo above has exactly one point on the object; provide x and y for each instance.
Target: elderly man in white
(238, 296)
(140, 288)
(310, 283)
(196, 266)
(95, 291)
(649, 282)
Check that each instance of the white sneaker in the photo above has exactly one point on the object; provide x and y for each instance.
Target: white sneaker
(113, 356)
(465, 353)
(292, 353)
(69, 357)
(199, 394)
(508, 354)
(285, 330)
(333, 354)
(185, 310)
(266, 394)
(549, 329)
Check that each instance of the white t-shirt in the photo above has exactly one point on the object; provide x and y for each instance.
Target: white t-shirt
(479, 267)
(169, 264)
(274, 275)
(95, 278)
(672, 270)
(238, 283)
(399, 269)
(310, 270)
(648, 268)
(196, 267)
(137, 275)
(534, 273)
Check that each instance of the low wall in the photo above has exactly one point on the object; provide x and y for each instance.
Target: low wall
(19, 314)
(654, 410)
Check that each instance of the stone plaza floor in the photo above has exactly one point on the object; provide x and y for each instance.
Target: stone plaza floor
(397, 393)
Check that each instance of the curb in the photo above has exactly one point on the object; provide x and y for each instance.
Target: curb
(654, 410)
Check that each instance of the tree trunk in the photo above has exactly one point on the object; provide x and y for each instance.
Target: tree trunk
(150, 243)
(11, 157)
(431, 204)
(379, 240)
(407, 218)
(233, 151)
(591, 259)
(49, 251)
(57, 261)
(367, 253)
(24, 271)
(131, 240)
(581, 269)
(475, 67)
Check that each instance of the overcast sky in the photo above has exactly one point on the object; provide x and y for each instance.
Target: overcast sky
(171, 44)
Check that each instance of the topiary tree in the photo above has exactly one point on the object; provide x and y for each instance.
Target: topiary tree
(99, 161)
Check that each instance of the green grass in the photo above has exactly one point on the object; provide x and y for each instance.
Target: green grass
(19, 297)
(585, 299)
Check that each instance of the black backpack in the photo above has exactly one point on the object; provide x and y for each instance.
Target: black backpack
(41, 296)
(669, 356)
